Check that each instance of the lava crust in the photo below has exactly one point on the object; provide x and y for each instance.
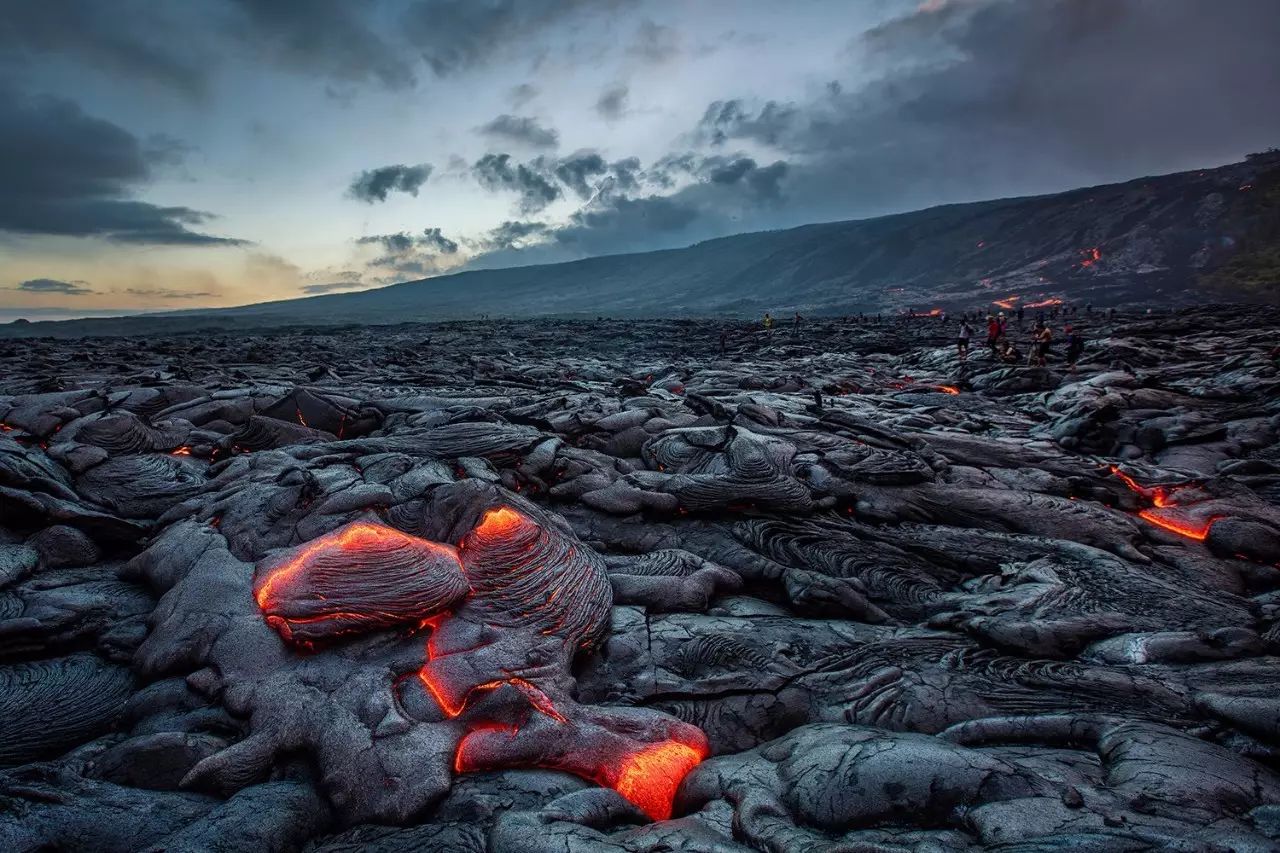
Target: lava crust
(600, 586)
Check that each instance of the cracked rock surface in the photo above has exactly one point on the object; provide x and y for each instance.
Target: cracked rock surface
(572, 586)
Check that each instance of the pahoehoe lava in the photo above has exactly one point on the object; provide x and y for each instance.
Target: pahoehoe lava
(546, 586)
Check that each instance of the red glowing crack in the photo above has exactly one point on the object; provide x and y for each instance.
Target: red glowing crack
(1164, 497)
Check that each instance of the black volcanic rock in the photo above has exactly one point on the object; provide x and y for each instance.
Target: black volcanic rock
(596, 586)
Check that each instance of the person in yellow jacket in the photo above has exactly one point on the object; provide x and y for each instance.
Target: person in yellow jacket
(768, 323)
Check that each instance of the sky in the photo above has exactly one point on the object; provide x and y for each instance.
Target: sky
(162, 156)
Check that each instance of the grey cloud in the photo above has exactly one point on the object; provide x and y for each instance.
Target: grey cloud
(576, 170)
(375, 184)
(66, 173)
(511, 234)
(523, 130)
(168, 293)
(655, 42)
(434, 240)
(329, 287)
(726, 120)
(763, 183)
(105, 37)
(431, 239)
(529, 181)
(522, 94)
(612, 103)
(410, 254)
(453, 35)
(327, 37)
(53, 285)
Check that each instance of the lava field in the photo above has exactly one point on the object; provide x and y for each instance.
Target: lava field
(570, 586)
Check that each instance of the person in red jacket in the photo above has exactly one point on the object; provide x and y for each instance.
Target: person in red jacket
(993, 334)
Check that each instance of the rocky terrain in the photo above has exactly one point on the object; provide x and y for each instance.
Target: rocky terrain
(604, 586)
(1180, 239)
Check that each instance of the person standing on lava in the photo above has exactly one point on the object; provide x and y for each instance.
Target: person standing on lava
(768, 324)
(993, 334)
(724, 341)
(1040, 345)
(795, 326)
(1075, 347)
(962, 340)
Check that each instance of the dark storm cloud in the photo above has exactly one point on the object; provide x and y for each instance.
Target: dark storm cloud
(168, 293)
(529, 181)
(698, 197)
(762, 183)
(63, 172)
(523, 130)
(612, 103)
(452, 35)
(53, 285)
(101, 36)
(990, 98)
(375, 184)
(576, 170)
(332, 38)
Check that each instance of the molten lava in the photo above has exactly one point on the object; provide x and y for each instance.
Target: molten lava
(649, 778)
(948, 389)
(1045, 303)
(1091, 257)
(1006, 303)
(499, 523)
(1178, 526)
(506, 612)
(1163, 497)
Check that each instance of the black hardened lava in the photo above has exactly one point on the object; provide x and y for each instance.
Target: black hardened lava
(600, 586)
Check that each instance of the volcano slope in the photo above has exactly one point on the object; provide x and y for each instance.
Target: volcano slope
(552, 586)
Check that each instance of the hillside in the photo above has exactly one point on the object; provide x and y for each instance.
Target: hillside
(1206, 235)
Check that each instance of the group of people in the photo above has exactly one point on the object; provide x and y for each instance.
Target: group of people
(1004, 349)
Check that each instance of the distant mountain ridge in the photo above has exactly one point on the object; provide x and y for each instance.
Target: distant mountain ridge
(1205, 235)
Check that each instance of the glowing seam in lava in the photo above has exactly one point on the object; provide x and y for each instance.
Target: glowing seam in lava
(1162, 498)
(460, 762)
(948, 389)
(1181, 528)
(181, 451)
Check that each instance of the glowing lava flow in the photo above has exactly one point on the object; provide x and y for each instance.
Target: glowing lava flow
(948, 389)
(649, 778)
(507, 611)
(1162, 498)
(357, 537)
(1181, 528)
